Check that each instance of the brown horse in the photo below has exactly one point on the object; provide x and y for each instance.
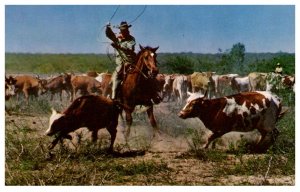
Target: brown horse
(140, 87)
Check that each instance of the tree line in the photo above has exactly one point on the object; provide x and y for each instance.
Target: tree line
(234, 60)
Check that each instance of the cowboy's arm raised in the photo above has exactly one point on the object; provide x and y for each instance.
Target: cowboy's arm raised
(110, 34)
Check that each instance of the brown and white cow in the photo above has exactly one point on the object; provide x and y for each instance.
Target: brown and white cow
(91, 111)
(242, 112)
(10, 83)
(288, 82)
(106, 84)
(167, 87)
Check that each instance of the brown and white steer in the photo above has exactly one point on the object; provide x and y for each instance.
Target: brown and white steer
(288, 81)
(106, 84)
(10, 83)
(93, 112)
(242, 112)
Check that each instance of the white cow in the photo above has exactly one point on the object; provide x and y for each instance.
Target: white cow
(240, 84)
(180, 88)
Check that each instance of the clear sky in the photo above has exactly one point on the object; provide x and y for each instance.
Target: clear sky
(174, 28)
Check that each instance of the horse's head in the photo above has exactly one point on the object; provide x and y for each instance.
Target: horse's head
(147, 59)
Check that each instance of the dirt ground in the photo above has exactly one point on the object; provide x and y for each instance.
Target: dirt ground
(174, 151)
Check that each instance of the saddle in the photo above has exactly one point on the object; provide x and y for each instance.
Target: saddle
(126, 68)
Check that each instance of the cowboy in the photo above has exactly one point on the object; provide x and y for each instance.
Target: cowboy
(124, 46)
(278, 69)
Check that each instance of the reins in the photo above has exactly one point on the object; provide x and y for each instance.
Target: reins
(140, 71)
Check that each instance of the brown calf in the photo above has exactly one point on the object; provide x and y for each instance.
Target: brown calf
(58, 84)
(87, 85)
(28, 85)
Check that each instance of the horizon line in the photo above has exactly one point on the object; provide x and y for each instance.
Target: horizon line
(86, 53)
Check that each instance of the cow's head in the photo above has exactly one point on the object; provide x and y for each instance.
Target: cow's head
(56, 123)
(10, 86)
(192, 107)
(42, 86)
(168, 82)
(67, 78)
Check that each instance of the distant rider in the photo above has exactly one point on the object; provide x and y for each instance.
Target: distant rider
(278, 69)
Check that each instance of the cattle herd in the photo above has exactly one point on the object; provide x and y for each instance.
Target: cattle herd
(223, 103)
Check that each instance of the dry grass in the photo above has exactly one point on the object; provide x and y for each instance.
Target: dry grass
(174, 159)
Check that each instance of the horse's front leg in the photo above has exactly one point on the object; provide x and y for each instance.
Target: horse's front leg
(156, 131)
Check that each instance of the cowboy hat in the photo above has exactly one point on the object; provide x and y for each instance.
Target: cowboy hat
(124, 25)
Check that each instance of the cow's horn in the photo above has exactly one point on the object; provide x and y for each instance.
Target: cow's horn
(53, 111)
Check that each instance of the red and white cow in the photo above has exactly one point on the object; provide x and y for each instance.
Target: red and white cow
(242, 112)
(288, 81)
(93, 112)
(10, 83)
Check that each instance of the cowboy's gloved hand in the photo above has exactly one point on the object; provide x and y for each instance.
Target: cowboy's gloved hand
(107, 24)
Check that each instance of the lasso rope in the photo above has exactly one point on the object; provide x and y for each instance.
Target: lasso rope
(138, 15)
(113, 15)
